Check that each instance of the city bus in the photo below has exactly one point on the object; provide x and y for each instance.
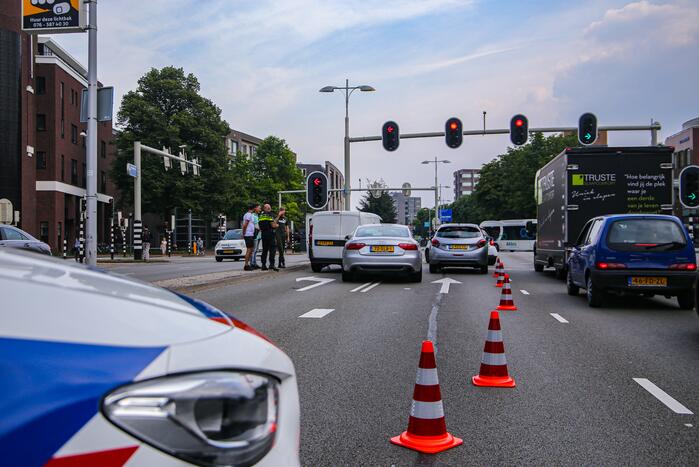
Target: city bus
(512, 234)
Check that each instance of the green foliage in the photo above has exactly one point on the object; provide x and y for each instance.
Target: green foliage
(422, 216)
(383, 206)
(505, 189)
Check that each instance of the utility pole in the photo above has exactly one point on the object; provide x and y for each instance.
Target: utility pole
(91, 153)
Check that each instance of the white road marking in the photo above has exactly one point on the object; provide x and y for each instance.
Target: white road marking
(524, 292)
(318, 281)
(446, 282)
(357, 289)
(317, 313)
(559, 317)
(370, 287)
(406, 288)
(688, 425)
(663, 397)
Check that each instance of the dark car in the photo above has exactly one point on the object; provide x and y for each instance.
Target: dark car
(633, 254)
(12, 237)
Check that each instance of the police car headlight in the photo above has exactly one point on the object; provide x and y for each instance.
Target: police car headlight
(219, 418)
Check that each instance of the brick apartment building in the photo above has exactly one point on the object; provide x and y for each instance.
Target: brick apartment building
(42, 141)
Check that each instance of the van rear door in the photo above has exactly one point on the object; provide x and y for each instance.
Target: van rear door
(328, 238)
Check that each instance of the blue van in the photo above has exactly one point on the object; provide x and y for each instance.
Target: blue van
(633, 254)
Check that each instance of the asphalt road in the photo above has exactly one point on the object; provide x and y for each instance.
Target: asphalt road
(576, 400)
(184, 266)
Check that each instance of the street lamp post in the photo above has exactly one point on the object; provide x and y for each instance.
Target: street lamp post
(436, 162)
(348, 92)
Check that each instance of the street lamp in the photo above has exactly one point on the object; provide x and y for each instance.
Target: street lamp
(436, 162)
(348, 92)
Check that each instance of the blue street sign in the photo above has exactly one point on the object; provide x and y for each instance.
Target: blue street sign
(427, 224)
(131, 170)
(445, 215)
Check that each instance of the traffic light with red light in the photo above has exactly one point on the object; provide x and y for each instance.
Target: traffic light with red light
(689, 187)
(453, 132)
(317, 190)
(390, 136)
(519, 130)
(587, 129)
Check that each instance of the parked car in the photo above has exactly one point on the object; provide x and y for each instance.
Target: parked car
(12, 237)
(327, 231)
(381, 248)
(99, 369)
(644, 254)
(231, 246)
(459, 245)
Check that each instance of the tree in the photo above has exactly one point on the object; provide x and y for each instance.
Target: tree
(465, 210)
(383, 206)
(166, 110)
(422, 216)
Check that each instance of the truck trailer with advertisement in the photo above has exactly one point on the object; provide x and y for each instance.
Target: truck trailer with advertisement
(582, 183)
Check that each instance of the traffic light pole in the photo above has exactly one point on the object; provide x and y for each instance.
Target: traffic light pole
(337, 190)
(653, 128)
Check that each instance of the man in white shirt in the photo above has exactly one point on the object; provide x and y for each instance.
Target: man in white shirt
(249, 233)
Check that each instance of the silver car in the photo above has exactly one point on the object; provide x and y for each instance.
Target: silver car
(381, 248)
(459, 245)
(12, 237)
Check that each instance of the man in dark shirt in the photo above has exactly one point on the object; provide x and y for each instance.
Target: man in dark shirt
(267, 225)
(282, 235)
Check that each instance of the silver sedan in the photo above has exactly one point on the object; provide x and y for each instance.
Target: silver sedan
(381, 248)
(459, 245)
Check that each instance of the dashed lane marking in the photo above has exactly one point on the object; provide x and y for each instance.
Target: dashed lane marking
(663, 397)
(524, 292)
(357, 289)
(370, 287)
(317, 313)
(560, 318)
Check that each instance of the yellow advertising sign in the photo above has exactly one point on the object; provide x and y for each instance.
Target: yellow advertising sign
(53, 16)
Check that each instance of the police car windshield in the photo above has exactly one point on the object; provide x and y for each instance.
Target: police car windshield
(236, 234)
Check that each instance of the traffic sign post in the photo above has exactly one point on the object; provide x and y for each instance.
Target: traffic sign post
(445, 215)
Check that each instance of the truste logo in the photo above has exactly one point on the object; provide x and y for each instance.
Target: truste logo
(593, 179)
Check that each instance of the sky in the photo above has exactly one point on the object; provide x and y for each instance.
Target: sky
(262, 62)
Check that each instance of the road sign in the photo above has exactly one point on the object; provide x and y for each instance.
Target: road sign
(426, 224)
(105, 104)
(61, 16)
(131, 170)
(406, 189)
(445, 215)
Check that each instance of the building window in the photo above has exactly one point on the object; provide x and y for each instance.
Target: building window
(103, 182)
(73, 172)
(63, 168)
(40, 122)
(44, 231)
(40, 85)
(84, 177)
(62, 108)
(233, 147)
(103, 149)
(40, 160)
(74, 134)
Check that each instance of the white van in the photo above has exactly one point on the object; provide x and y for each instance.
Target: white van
(512, 234)
(327, 231)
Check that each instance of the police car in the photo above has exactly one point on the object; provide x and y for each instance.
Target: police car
(98, 369)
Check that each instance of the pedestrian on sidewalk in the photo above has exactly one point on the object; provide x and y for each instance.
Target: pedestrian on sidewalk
(147, 239)
(258, 239)
(200, 246)
(282, 235)
(249, 233)
(268, 225)
(163, 246)
(76, 248)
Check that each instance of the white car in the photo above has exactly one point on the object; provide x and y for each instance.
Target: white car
(231, 246)
(99, 369)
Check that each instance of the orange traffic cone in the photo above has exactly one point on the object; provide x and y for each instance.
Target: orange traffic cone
(427, 430)
(498, 267)
(493, 372)
(506, 302)
(501, 279)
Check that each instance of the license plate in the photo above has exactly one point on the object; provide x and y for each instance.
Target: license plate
(228, 252)
(382, 249)
(324, 243)
(458, 247)
(648, 281)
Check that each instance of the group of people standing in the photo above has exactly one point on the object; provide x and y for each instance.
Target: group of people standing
(262, 225)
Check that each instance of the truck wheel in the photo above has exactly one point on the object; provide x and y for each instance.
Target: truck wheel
(594, 296)
(573, 289)
(316, 267)
(686, 300)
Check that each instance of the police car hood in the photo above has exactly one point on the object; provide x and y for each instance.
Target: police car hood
(51, 299)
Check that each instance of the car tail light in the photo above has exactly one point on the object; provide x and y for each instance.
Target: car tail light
(435, 242)
(684, 267)
(408, 246)
(481, 243)
(603, 265)
(355, 246)
(207, 418)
